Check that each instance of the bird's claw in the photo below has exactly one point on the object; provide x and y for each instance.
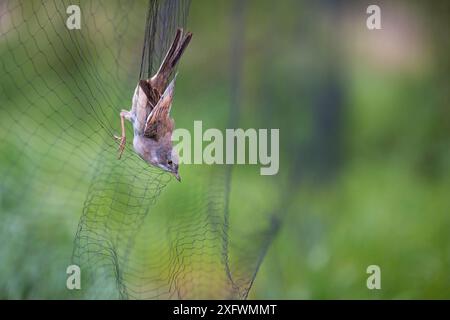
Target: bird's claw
(121, 145)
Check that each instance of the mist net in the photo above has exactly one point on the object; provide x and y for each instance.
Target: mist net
(61, 94)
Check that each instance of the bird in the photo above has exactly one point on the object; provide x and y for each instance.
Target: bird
(150, 112)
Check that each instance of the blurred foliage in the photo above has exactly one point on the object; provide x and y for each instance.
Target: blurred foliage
(365, 155)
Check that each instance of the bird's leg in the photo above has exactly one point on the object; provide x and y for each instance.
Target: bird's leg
(123, 115)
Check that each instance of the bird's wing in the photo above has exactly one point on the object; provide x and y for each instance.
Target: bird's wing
(158, 121)
(152, 94)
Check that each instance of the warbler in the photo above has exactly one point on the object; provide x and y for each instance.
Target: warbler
(150, 112)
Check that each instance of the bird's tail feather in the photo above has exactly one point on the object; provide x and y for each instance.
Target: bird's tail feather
(171, 59)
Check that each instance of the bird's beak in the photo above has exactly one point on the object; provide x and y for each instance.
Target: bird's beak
(177, 176)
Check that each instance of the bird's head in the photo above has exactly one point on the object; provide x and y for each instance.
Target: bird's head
(166, 158)
(169, 163)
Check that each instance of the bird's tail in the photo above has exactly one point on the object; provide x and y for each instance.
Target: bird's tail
(171, 59)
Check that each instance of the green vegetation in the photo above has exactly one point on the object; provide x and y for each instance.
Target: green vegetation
(364, 142)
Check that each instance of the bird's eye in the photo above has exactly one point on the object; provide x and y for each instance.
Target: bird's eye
(169, 162)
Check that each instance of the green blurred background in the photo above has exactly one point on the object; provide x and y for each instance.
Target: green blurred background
(364, 123)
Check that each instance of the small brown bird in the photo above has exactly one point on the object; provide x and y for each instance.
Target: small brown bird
(150, 110)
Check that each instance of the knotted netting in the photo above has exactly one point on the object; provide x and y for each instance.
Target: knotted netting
(61, 93)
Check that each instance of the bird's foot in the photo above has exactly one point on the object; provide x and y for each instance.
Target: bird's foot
(123, 141)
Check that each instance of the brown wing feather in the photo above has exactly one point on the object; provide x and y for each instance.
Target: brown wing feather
(152, 94)
(158, 122)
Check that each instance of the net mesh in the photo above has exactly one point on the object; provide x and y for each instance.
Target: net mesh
(61, 92)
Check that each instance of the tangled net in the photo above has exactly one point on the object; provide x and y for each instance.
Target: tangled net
(131, 242)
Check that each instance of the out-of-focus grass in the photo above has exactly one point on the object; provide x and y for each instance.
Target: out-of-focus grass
(387, 203)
